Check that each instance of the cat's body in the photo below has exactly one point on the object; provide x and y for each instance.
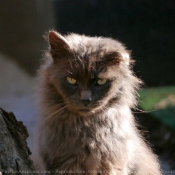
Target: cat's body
(86, 126)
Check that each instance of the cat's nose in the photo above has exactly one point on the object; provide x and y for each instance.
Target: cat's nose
(86, 97)
(86, 101)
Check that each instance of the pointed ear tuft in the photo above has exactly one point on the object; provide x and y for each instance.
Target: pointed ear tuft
(117, 57)
(56, 39)
(125, 57)
(59, 46)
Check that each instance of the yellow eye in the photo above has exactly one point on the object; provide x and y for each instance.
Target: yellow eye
(71, 80)
(101, 81)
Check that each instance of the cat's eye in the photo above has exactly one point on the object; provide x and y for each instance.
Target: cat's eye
(101, 81)
(71, 80)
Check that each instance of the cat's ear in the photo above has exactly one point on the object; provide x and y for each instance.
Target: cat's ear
(125, 57)
(117, 57)
(59, 46)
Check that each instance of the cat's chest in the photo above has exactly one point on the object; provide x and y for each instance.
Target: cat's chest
(92, 143)
(101, 135)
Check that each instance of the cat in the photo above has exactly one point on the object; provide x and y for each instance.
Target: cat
(87, 89)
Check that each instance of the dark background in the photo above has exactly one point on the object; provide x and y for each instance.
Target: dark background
(146, 27)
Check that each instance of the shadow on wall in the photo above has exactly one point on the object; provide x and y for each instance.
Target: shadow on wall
(22, 24)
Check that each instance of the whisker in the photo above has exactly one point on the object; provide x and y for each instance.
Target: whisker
(55, 113)
(142, 111)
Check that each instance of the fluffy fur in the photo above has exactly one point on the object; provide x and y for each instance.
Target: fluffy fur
(98, 137)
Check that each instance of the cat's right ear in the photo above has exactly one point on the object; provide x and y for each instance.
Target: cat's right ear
(59, 46)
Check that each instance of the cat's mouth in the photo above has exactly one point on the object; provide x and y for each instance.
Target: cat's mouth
(91, 109)
(84, 110)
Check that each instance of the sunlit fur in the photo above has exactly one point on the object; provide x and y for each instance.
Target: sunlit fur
(100, 138)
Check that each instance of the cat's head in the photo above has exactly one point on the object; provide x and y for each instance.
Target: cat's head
(90, 73)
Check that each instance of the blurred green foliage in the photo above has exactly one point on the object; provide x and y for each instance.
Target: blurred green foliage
(160, 103)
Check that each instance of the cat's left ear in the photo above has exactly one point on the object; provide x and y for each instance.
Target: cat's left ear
(59, 46)
(125, 57)
(118, 57)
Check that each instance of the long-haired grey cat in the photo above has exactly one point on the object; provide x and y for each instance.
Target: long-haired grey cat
(87, 89)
